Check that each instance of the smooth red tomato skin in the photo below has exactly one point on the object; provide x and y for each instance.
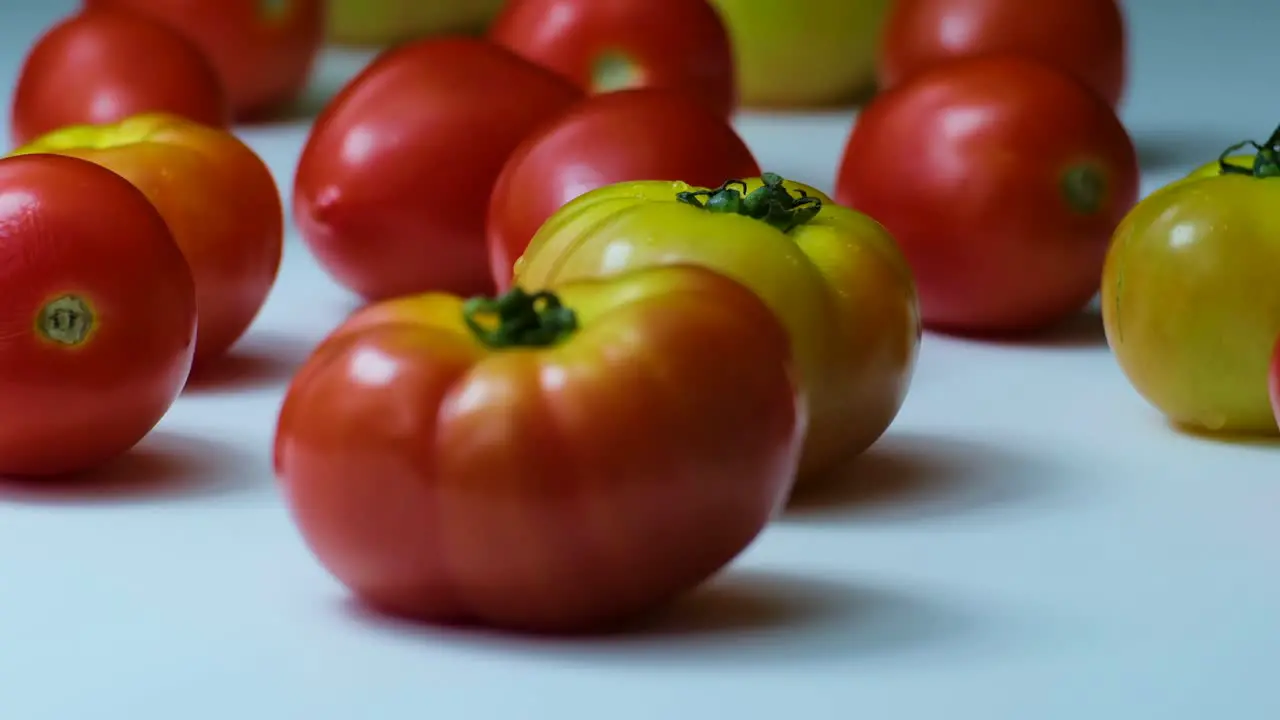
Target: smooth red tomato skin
(71, 228)
(101, 67)
(969, 166)
(543, 490)
(675, 44)
(394, 181)
(218, 198)
(1085, 38)
(606, 139)
(263, 51)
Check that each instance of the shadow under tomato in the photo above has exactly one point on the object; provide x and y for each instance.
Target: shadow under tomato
(1081, 331)
(908, 475)
(165, 465)
(740, 617)
(1259, 439)
(257, 361)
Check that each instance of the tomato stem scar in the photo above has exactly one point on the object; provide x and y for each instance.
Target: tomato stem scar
(614, 71)
(523, 319)
(68, 320)
(1266, 163)
(1084, 187)
(771, 203)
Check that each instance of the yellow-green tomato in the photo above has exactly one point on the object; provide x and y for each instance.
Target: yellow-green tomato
(1191, 300)
(834, 276)
(387, 22)
(803, 54)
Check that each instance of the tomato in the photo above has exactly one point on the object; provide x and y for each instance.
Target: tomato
(390, 22)
(1211, 169)
(394, 181)
(216, 195)
(101, 67)
(834, 276)
(98, 319)
(818, 53)
(263, 50)
(605, 46)
(1003, 180)
(1273, 382)
(611, 138)
(1190, 300)
(542, 461)
(1084, 38)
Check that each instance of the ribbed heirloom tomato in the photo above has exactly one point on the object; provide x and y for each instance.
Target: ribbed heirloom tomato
(834, 276)
(98, 320)
(627, 135)
(542, 461)
(604, 46)
(216, 195)
(1002, 179)
(102, 66)
(263, 50)
(1084, 38)
(1190, 299)
(395, 178)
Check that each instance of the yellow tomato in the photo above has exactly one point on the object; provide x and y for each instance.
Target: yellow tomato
(820, 53)
(386, 22)
(1213, 169)
(1191, 302)
(835, 277)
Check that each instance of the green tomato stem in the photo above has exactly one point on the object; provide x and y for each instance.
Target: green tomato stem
(1266, 163)
(770, 203)
(522, 319)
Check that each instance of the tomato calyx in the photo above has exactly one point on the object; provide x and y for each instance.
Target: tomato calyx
(771, 203)
(1266, 163)
(519, 319)
(66, 320)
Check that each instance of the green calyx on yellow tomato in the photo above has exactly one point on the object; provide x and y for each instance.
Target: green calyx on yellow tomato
(1266, 161)
(1189, 298)
(771, 202)
(834, 276)
(523, 319)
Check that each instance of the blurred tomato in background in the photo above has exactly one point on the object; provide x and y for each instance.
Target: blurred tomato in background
(262, 49)
(390, 22)
(1085, 38)
(103, 66)
(621, 44)
(803, 54)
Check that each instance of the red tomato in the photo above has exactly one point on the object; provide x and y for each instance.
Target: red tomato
(98, 319)
(1273, 381)
(393, 184)
(565, 462)
(1002, 180)
(1085, 38)
(607, 139)
(606, 46)
(216, 195)
(100, 67)
(262, 49)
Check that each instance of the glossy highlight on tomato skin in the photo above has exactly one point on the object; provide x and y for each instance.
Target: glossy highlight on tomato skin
(1084, 38)
(216, 195)
(393, 183)
(97, 330)
(838, 281)
(627, 135)
(552, 489)
(262, 50)
(1003, 180)
(678, 45)
(102, 66)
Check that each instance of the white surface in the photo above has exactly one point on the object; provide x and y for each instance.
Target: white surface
(1035, 543)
